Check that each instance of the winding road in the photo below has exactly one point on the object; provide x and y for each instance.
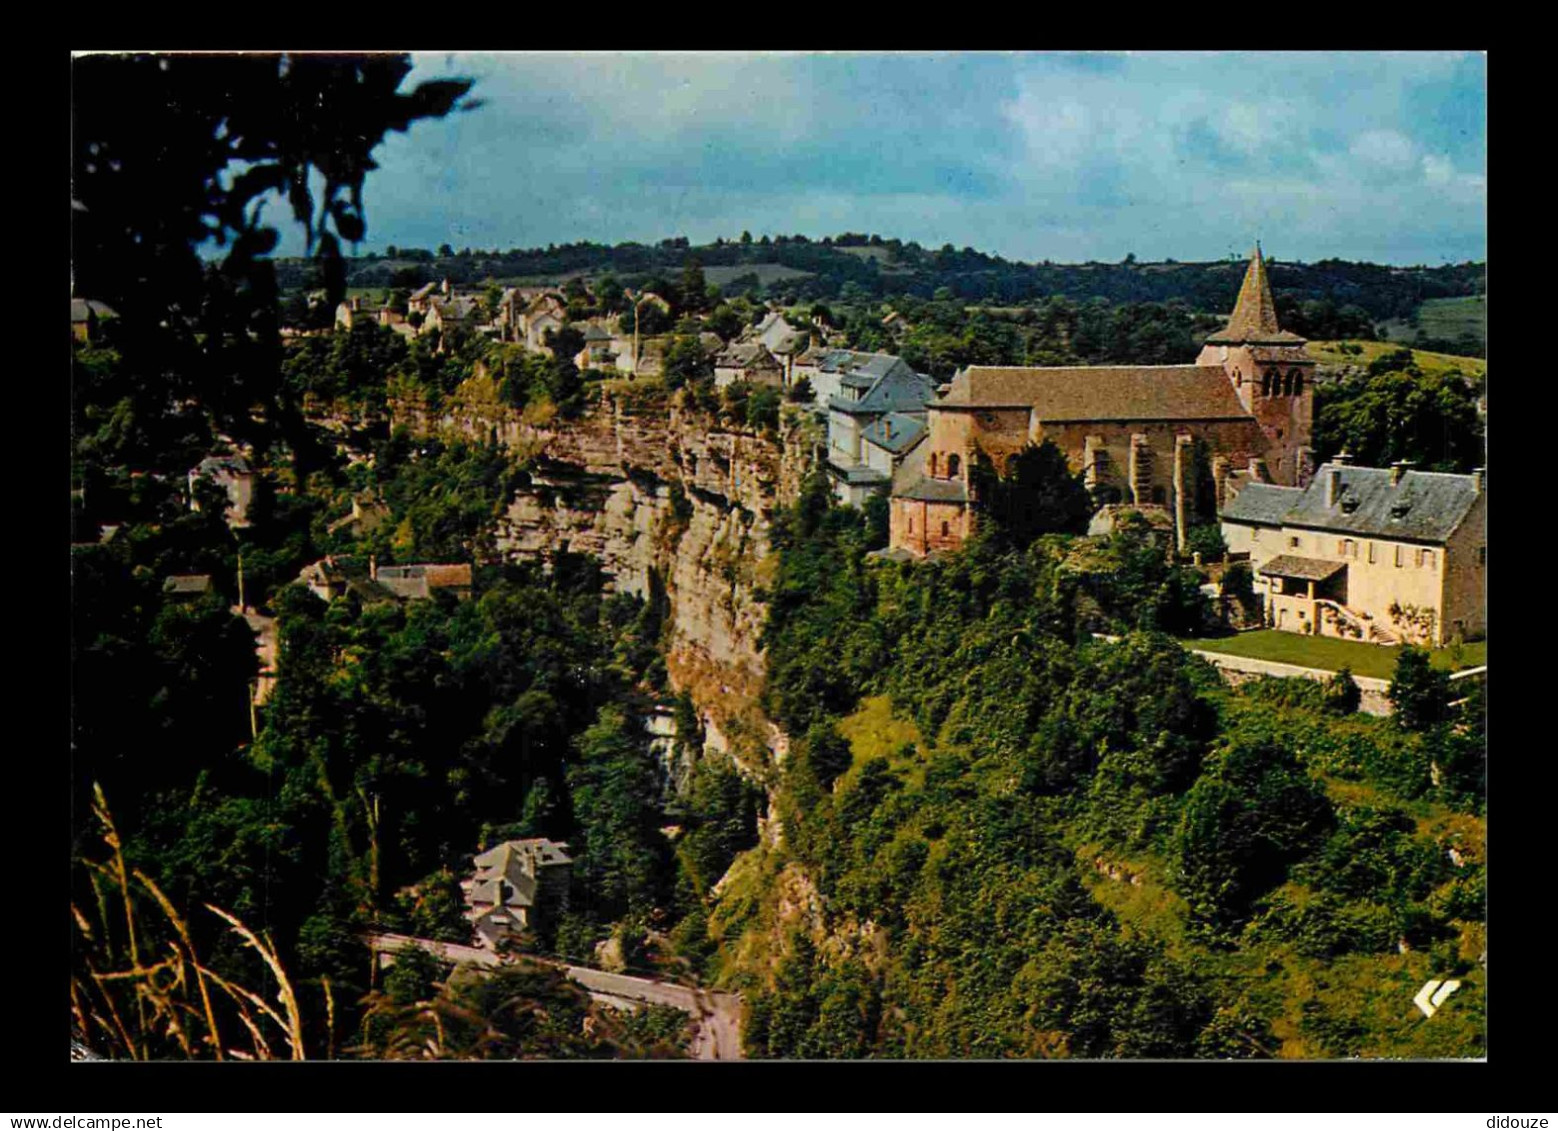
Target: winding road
(718, 1015)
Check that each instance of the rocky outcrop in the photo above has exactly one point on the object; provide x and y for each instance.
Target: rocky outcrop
(669, 501)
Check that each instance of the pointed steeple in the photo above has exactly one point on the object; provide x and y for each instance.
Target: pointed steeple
(1254, 316)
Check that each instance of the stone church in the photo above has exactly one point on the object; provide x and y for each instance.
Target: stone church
(1148, 436)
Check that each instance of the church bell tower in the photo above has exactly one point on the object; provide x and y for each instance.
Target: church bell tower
(1272, 374)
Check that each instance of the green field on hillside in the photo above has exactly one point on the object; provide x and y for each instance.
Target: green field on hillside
(1431, 363)
(1445, 318)
(766, 273)
(1330, 654)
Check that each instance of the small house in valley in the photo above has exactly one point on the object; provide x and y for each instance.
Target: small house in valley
(234, 475)
(517, 886)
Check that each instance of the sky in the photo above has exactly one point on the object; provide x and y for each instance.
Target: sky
(1186, 155)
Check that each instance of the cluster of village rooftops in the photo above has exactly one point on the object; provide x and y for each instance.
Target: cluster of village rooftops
(1387, 555)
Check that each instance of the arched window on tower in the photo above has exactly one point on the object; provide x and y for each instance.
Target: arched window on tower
(1287, 385)
(1298, 382)
(1265, 384)
(953, 463)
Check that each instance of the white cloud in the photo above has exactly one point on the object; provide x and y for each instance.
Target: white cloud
(1387, 149)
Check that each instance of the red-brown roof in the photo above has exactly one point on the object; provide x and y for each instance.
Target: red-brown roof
(1254, 317)
(1103, 392)
(439, 576)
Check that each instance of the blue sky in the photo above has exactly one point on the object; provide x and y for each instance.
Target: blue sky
(1364, 155)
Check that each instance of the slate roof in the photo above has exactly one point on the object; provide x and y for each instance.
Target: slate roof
(747, 355)
(1302, 569)
(81, 309)
(1425, 506)
(860, 475)
(897, 389)
(934, 490)
(516, 862)
(896, 432)
(1100, 392)
(1262, 503)
(187, 583)
(594, 333)
(235, 464)
(420, 577)
(370, 592)
(461, 309)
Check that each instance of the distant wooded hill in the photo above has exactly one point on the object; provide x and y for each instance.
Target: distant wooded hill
(797, 269)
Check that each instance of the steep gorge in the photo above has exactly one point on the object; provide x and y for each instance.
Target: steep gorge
(668, 498)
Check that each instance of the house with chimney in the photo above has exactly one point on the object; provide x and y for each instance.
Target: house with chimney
(874, 421)
(884, 445)
(747, 361)
(1383, 555)
(517, 886)
(824, 367)
(1143, 435)
(782, 341)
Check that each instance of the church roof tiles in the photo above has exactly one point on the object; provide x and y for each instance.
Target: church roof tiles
(1102, 392)
(1254, 317)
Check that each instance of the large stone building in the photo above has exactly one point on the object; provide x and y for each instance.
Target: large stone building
(518, 886)
(1385, 555)
(1144, 435)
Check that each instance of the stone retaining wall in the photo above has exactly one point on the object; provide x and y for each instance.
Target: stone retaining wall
(1241, 669)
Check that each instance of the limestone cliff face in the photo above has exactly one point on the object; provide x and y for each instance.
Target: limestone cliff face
(663, 496)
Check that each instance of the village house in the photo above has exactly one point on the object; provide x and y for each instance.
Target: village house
(546, 314)
(85, 315)
(327, 578)
(1385, 555)
(884, 444)
(422, 298)
(781, 340)
(234, 475)
(457, 312)
(862, 455)
(418, 581)
(517, 886)
(747, 361)
(598, 351)
(1139, 434)
(187, 586)
(824, 369)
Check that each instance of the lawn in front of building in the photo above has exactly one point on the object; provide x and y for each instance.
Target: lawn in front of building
(1330, 654)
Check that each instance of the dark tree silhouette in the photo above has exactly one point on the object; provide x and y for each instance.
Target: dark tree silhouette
(1039, 494)
(175, 153)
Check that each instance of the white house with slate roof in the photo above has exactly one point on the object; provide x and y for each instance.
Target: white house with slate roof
(884, 443)
(1387, 555)
(863, 446)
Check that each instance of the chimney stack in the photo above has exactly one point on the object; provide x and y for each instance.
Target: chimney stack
(1398, 469)
(1479, 479)
(1333, 485)
(1342, 459)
